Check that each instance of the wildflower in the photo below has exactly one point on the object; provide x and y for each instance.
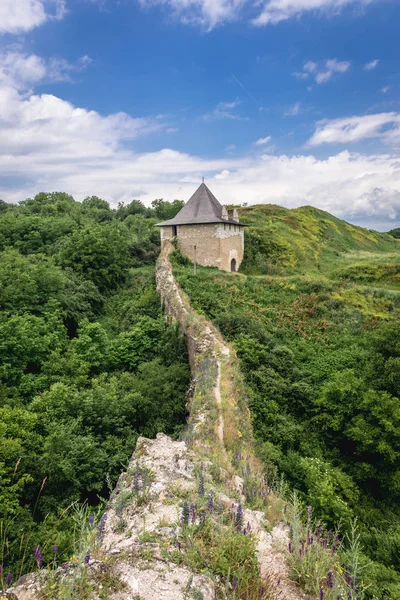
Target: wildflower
(262, 593)
(329, 580)
(239, 517)
(210, 502)
(38, 556)
(321, 594)
(55, 549)
(339, 597)
(279, 582)
(101, 528)
(91, 521)
(87, 558)
(8, 579)
(193, 513)
(334, 548)
(201, 489)
(234, 583)
(185, 513)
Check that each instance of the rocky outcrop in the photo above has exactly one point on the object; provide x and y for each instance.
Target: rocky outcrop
(180, 523)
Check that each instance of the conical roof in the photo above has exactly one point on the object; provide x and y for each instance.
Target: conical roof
(201, 208)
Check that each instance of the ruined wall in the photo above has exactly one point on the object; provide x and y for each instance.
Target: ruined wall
(139, 551)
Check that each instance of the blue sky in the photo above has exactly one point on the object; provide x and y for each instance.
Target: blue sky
(286, 101)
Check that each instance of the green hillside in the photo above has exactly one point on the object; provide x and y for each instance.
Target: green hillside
(314, 316)
(307, 240)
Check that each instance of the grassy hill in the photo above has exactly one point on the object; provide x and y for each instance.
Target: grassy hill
(314, 316)
(308, 240)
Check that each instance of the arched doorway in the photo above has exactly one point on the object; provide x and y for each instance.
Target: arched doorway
(233, 265)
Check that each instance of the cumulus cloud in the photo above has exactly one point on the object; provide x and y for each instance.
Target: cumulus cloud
(48, 144)
(20, 16)
(322, 72)
(385, 126)
(371, 65)
(23, 71)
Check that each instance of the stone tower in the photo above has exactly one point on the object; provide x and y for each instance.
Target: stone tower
(205, 229)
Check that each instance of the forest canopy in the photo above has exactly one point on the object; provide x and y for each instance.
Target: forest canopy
(87, 363)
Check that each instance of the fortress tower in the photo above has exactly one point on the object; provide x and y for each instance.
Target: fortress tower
(205, 228)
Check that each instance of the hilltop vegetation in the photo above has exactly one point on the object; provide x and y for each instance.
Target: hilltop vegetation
(87, 362)
(319, 347)
(307, 240)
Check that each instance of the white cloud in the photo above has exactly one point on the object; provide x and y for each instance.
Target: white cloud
(280, 10)
(48, 144)
(385, 126)
(371, 65)
(19, 16)
(223, 111)
(322, 72)
(263, 141)
(22, 71)
(211, 13)
(206, 13)
(385, 89)
(292, 111)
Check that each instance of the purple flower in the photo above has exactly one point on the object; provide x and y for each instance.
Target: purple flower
(321, 594)
(210, 502)
(101, 528)
(279, 582)
(193, 513)
(201, 489)
(87, 558)
(239, 517)
(8, 579)
(329, 580)
(38, 556)
(262, 593)
(91, 521)
(338, 597)
(55, 549)
(334, 548)
(235, 583)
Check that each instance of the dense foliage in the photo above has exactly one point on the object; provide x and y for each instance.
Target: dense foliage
(321, 359)
(87, 362)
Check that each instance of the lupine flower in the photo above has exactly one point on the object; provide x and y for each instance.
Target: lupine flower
(334, 548)
(185, 513)
(193, 513)
(38, 556)
(239, 517)
(321, 594)
(339, 597)
(55, 549)
(87, 558)
(329, 580)
(8, 579)
(101, 528)
(201, 489)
